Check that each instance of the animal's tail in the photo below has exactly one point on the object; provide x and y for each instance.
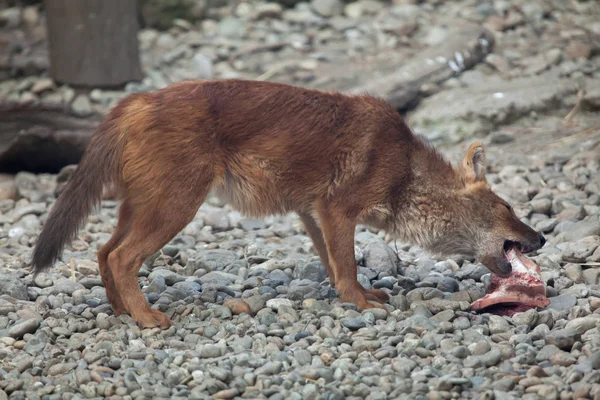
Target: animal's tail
(99, 166)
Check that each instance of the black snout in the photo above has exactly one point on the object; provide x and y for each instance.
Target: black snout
(534, 244)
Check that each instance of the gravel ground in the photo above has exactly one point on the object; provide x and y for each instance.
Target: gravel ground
(254, 316)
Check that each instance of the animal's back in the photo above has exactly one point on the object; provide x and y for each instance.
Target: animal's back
(275, 147)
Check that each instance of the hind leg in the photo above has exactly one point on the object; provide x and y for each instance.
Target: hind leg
(153, 225)
(105, 273)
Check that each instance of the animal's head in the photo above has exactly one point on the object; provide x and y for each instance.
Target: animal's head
(490, 224)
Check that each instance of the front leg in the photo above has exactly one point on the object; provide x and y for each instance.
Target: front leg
(315, 234)
(338, 233)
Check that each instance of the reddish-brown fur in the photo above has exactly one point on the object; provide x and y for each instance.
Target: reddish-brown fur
(269, 148)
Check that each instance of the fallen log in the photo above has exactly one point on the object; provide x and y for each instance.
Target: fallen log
(463, 49)
(37, 139)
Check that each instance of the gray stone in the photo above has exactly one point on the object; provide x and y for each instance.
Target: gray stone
(212, 260)
(419, 322)
(591, 276)
(423, 294)
(10, 17)
(270, 368)
(303, 292)
(313, 271)
(252, 224)
(562, 302)
(256, 303)
(61, 369)
(582, 229)
(169, 277)
(528, 318)
(380, 257)
(190, 288)
(276, 303)
(547, 225)
(491, 358)
(460, 352)
(502, 137)
(210, 351)
(218, 277)
(575, 213)
(354, 323)
(498, 324)
(399, 302)
(157, 285)
(437, 305)
(448, 285)
(562, 338)
(81, 106)
(472, 271)
(578, 291)
(574, 272)
(594, 359)
(18, 330)
(581, 249)
(12, 286)
(268, 10)
(446, 315)
(583, 324)
(541, 206)
(546, 353)
(231, 27)
(327, 8)
(63, 285)
(302, 356)
(563, 359)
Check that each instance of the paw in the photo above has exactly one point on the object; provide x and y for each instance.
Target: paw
(361, 298)
(152, 319)
(377, 295)
(369, 305)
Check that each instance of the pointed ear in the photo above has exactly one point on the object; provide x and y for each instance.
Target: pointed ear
(473, 165)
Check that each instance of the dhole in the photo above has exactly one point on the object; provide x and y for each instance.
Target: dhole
(270, 148)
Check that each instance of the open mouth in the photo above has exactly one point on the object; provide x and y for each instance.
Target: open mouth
(521, 290)
(508, 244)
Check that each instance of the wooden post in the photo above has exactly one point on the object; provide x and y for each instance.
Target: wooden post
(93, 42)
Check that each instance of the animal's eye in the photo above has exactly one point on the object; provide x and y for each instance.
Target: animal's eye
(508, 207)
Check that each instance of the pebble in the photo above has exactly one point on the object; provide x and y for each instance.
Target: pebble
(18, 330)
(81, 106)
(13, 287)
(276, 303)
(583, 324)
(327, 8)
(380, 257)
(354, 323)
(169, 277)
(498, 324)
(313, 271)
(528, 318)
(562, 302)
(61, 369)
(563, 338)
